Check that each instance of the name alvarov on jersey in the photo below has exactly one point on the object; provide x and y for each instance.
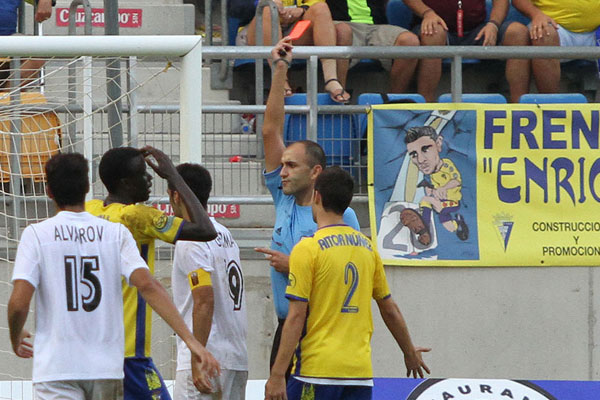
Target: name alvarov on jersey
(64, 233)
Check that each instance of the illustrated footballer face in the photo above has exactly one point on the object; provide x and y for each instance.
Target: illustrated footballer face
(425, 153)
(296, 173)
(139, 181)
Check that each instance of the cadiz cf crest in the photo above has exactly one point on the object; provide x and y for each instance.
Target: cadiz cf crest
(504, 225)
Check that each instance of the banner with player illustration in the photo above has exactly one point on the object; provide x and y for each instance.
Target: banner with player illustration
(485, 185)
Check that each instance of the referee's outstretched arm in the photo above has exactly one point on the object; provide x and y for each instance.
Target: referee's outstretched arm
(272, 132)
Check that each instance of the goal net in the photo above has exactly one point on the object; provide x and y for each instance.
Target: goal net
(91, 94)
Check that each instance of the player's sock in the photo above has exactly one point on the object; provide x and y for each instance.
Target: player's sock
(426, 215)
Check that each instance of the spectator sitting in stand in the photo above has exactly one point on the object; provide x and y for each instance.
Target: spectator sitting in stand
(438, 26)
(320, 33)
(362, 23)
(556, 23)
(8, 27)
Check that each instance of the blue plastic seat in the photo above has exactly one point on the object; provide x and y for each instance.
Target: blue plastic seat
(360, 120)
(335, 132)
(490, 98)
(399, 14)
(552, 98)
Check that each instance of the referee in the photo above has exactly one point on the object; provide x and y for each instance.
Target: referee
(290, 174)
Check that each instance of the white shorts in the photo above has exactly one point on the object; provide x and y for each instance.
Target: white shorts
(233, 386)
(568, 38)
(109, 389)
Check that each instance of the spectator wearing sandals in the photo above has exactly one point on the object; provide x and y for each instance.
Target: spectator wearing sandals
(558, 23)
(364, 23)
(8, 27)
(320, 33)
(438, 26)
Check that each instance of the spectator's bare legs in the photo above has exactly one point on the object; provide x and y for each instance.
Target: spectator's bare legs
(403, 69)
(266, 38)
(343, 34)
(546, 72)
(30, 69)
(322, 32)
(430, 69)
(517, 70)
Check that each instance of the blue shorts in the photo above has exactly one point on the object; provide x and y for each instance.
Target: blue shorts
(468, 38)
(298, 390)
(143, 381)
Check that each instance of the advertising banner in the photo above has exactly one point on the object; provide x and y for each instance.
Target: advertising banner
(485, 185)
(230, 211)
(478, 389)
(128, 17)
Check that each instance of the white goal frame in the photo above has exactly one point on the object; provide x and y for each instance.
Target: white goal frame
(188, 51)
(188, 47)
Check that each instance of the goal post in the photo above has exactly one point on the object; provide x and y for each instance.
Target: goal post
(189, 48)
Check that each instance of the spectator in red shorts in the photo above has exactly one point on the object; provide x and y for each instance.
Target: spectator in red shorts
(438, 26)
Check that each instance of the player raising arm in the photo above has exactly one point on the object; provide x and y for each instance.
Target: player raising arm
(74, 262)
(335, 273)
(290, 174)
(124, 173)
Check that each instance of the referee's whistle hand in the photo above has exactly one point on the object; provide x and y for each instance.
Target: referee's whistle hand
(277, 259)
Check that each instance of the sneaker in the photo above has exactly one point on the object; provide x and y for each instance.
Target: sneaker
(413, 221)
(462, 231)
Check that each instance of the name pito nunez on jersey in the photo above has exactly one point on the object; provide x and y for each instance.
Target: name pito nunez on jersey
(224, 240)
(64, 233)
(346, 239)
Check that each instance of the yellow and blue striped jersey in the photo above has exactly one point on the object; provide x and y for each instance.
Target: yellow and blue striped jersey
(337, 271)
(146, 224)
(448, 172)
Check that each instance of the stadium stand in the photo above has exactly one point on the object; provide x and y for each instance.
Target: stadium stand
(492, 98)
(335, 132)
(552, 98)
(40, 136)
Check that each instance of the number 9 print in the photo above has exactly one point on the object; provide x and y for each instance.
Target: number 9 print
(236, 284)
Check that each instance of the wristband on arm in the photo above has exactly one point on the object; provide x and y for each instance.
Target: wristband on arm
(282, 60)
(491, 21)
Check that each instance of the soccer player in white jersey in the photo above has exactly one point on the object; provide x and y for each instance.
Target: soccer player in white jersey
(208, 290)
(74, 262)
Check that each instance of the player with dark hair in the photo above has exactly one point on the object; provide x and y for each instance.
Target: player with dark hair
(335, 273)
(290, 174)
(67, 179)
(442, 189)
(208, 290)
(74, 263)
(123, 172)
